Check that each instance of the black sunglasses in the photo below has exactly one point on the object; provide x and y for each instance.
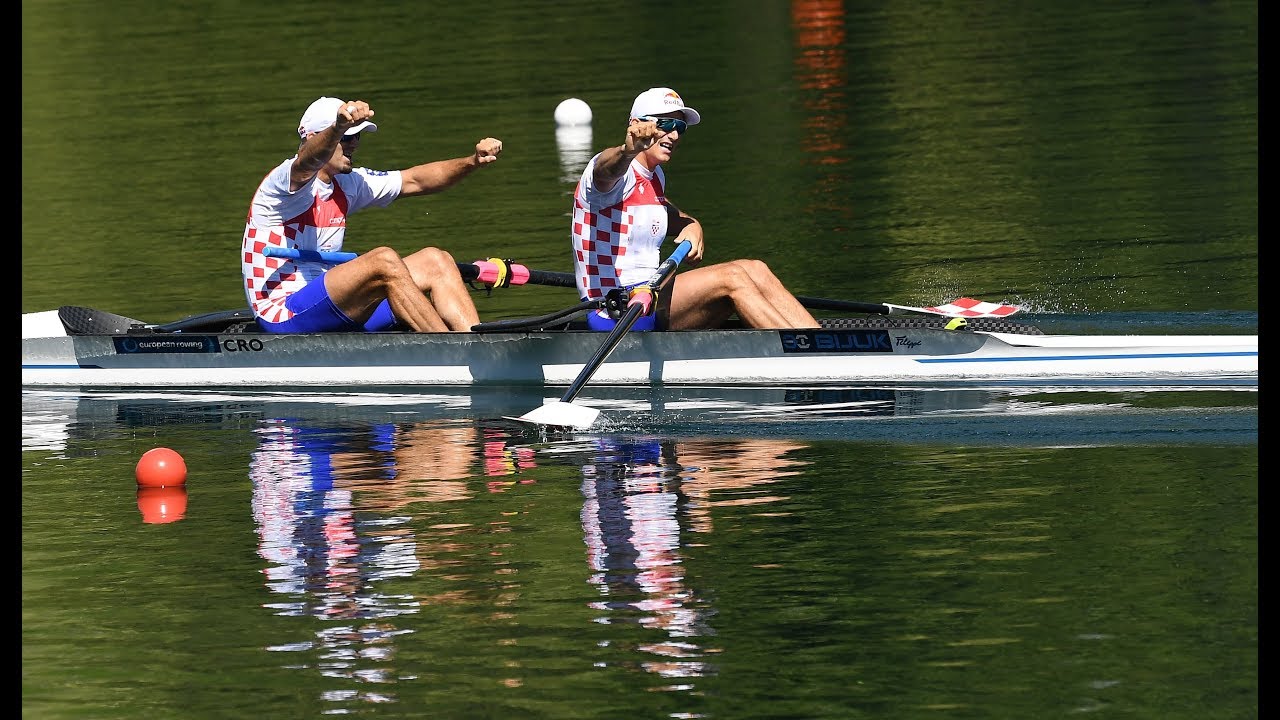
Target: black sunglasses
(349, 138)
(666, 124)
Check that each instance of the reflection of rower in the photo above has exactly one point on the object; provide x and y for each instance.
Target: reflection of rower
(308, 482)
(306, 523)
(330, 507)
(641, 496)
(630, 516)
(632, 494)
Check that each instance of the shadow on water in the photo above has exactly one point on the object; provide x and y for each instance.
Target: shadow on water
(1097, 413)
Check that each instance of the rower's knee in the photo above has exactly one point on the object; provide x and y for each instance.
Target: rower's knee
(754, 268)
(384, 264)
(742, 272)
(433, 260)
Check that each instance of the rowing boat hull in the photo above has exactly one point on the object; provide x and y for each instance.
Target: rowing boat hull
(729, 357)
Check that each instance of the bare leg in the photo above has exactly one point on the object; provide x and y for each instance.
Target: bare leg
(705, 297)
(435, 272)
(777, 296)
(357, 287)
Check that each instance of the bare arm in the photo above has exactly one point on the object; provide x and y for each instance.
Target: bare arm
(683, 226)
(614, 161)
(434, 177)
(317, 149)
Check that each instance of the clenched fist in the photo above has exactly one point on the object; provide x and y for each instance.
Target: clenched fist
(487, 150)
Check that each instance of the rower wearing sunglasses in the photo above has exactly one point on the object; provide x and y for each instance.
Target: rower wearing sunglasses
(622, 216)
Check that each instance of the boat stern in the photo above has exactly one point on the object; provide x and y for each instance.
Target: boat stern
(44, 324)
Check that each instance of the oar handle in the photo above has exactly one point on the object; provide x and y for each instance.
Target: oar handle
(504, 272)
(308, 255)
(485, 271)
(675, 258)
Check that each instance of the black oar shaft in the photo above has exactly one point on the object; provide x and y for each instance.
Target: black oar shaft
(634, 310)
(552, 278)
(628, 319)
(814, 303)
(471, 271)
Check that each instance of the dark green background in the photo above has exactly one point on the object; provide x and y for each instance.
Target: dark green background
(1091, 156)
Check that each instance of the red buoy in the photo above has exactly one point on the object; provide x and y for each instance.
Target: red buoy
(161, 467)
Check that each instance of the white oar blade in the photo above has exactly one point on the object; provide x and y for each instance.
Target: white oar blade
(561, 414)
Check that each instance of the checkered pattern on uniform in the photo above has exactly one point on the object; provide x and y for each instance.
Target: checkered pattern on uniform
(617, 245)
(269, 281)
(600, 241)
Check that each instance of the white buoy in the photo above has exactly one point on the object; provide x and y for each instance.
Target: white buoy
(571, 112)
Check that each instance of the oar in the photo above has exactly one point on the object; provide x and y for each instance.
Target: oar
(960, 307)
(493, 271)
(564, 413)
(308, 255)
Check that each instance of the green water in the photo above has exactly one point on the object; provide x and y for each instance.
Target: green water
(1097, 556)
(1093, 157)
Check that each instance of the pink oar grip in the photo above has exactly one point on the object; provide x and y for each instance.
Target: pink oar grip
(641, 296)
(488, 272)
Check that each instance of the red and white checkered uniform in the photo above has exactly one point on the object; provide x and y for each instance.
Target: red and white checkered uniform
(313, 218)
(617, 235)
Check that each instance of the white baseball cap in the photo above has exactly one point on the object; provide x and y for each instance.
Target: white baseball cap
(656, 101)
(324, 112)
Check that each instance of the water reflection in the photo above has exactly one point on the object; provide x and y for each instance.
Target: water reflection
(644, 499)
(340, 514)
(68, 423)
(159, 505)
(574, 145)
(334, 509)
(819, 68)
(415, 547)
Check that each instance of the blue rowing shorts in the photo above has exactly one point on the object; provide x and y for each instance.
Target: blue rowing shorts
(314, 311)
(600, 321)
